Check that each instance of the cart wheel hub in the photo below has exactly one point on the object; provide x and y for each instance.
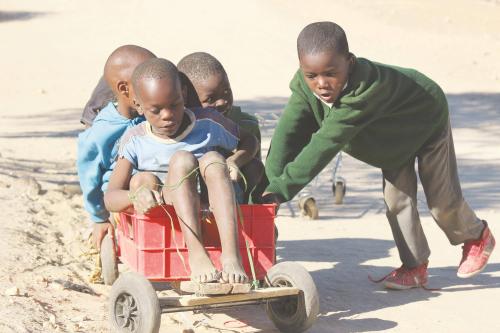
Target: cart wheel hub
(126, 312)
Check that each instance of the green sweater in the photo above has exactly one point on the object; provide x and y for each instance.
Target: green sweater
(244, 120)
(383, 117)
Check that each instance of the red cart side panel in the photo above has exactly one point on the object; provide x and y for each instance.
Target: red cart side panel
(153, 244)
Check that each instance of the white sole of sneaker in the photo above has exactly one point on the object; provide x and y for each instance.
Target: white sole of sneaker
(469, 275)
(394, 286)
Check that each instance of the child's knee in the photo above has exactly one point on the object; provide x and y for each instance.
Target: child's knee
(144, 179)
(183, 159)
(213, 162)
(397, 202)
(213, 156)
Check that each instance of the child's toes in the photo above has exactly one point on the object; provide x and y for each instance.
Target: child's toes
(214, 277)
(224, 277)
(242, 278)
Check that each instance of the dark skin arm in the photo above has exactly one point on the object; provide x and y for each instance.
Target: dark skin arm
(116, 199)
(119, 198)
(247, 149)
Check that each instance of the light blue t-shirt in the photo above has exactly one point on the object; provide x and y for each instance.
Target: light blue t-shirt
(208, 131)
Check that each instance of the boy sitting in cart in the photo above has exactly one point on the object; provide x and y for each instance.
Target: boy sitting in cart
(97, 145)
(174, 144)
(207, 84)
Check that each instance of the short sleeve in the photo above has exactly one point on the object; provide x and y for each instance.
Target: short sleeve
(128, 151)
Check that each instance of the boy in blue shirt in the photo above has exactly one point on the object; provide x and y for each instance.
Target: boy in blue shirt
(177, 142)
(97, 147)
(205, 83)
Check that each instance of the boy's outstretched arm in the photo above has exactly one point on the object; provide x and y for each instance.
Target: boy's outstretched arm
(117, 197)
(293, 132)
(248, 147)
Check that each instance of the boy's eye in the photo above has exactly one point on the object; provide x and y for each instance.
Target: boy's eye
(310, 76)
(331, 74)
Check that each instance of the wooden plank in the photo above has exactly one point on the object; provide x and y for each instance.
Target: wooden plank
(193, 300)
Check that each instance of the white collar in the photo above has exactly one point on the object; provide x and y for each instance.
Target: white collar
(192, 118)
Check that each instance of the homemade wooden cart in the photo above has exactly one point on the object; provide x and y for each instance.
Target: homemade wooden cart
(152, 246)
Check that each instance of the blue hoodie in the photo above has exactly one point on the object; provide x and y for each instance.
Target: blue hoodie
(97, 151)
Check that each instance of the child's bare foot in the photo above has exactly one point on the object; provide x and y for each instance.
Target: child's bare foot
(202, 269)
(232, 271)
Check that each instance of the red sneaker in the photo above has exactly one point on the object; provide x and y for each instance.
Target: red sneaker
(476, 253)
(406, 278)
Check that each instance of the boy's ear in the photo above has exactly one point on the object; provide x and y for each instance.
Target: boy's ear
(122, 88)
(184, 92)
(352, 62)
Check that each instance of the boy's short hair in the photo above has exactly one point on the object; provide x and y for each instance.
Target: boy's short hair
(321, 37)
(157, 68)
(199, 66)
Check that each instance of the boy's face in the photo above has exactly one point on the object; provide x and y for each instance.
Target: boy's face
(215, 92)
(325, 73)
(161, 102)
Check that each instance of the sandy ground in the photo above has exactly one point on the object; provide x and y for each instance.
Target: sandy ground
(52, 54)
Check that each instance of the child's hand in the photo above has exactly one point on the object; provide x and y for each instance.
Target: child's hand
(144, 200)
(234, 171)
(272, 198)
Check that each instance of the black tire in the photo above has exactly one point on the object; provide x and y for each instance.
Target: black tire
(309, 208)
(109, 262)
(134, 305)
(295, 314)
(339, 192)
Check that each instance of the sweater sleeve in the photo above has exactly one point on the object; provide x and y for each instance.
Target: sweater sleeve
(336, 130)
(90, 172)
(294, 130)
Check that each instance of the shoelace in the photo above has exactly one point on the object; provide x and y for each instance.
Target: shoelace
(472, 248)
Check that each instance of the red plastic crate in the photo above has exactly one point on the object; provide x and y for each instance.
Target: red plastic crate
(153, 244)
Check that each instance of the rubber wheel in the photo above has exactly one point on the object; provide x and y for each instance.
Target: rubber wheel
(134, 305)
(294, 314)
(309, 208)
(109, 262)
(338, 190)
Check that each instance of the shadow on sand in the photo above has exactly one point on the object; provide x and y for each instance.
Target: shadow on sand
(6, 16)
(340, 303)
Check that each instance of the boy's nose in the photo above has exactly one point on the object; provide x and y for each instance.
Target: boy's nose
(322, 83)
(166, 114)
